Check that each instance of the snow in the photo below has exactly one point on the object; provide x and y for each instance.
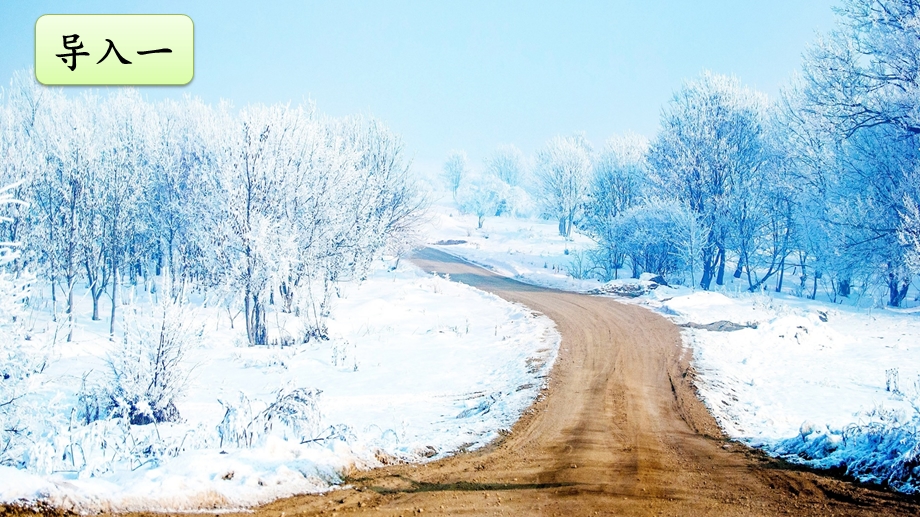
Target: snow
(809, 375)
(529, 250)
(805, 380)
(417, 367)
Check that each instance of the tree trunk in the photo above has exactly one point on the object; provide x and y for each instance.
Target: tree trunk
(69, 310)
(782, 273)
(255, 321)
(720, 277)
(896, 293)
(114, 292)
(95, 304)
(246, 313)
(708, 266)
(53, 299)
(843, 288)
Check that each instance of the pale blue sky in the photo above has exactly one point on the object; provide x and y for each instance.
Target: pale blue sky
(471, 74)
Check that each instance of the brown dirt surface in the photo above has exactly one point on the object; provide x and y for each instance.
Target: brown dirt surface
(618, 431)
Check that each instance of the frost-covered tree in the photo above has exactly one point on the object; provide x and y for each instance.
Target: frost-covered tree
(59, 187)
(93, 214)
(866, 73)
(858, 104)
(619, 182)
(20, 149)
(456, 167)
(563, 172)
(709, 156)
(269, 208)
(123, 165)
(909, 233)
(651, 236)
(300, 204)
(507, 163)
(179, 161)
(482, 196)
(257, 158)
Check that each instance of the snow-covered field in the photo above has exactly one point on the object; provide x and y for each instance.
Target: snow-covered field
(417, 367)
(828, 385)
(529, 250)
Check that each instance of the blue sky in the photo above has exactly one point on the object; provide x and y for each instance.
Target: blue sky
(468, 75)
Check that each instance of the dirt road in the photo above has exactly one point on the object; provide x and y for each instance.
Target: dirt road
(619, 431)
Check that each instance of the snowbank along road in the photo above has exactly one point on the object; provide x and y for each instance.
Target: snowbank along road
(618, 431)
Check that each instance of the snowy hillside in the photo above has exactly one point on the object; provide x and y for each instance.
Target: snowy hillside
(416, 367)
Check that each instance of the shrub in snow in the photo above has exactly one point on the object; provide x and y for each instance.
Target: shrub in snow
(580, 266)
(147, 370)
(110, 445)
(16, 364)
(886, 450)
(293, 416)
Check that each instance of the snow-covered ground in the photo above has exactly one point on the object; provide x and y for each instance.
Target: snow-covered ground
(529, 250)
(828, 385)
(417, 367)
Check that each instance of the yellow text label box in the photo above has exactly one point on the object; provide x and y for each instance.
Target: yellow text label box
(114, 49)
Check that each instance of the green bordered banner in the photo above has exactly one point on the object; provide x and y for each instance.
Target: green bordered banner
(114, 49)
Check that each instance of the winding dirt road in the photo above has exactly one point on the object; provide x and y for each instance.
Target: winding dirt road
(619, 431)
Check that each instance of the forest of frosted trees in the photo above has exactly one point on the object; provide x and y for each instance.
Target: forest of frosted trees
(819, 186)
(261, 209)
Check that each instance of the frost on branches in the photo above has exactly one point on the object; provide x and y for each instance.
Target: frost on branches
(17, 359)
(268, 208)
(146, 373)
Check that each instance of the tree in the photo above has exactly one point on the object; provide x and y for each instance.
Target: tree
(619, 182)
(507, 164)
(456, 167)
(257, 159)
(123, 165)
(909, 232)
(860, 96)
(866, 73)
(708, 155)
(651, 236)
(482, 196)
(563, 172)
(180, 160)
